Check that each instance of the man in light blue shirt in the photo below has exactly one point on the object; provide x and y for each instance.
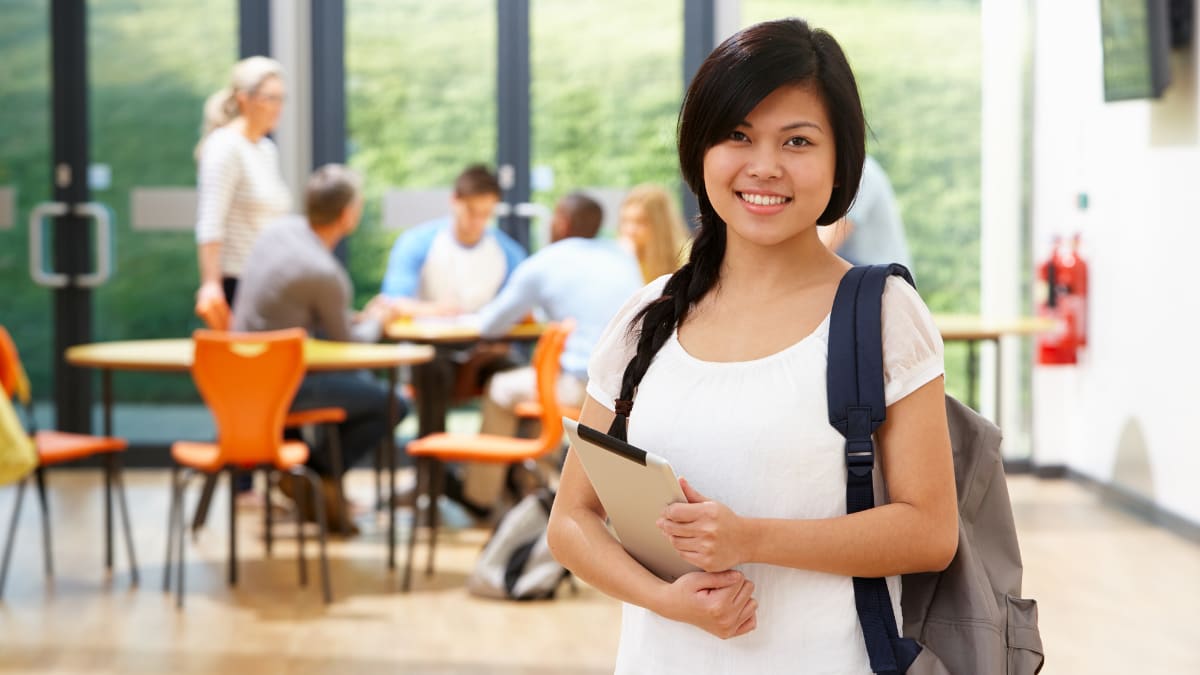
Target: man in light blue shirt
(576, 277)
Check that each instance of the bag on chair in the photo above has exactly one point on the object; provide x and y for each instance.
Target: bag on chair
(516, 563)
(17, 455)
(968, 619)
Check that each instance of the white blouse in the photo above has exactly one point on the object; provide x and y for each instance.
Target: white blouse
(755, 436)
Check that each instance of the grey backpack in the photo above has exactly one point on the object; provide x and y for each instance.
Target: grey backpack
(970, 618)
(516, 563)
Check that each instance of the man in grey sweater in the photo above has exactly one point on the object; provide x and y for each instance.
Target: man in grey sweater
(292, 280)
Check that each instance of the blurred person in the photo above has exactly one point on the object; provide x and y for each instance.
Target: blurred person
(872, 233)
(455, 264)
(293, 280)
(652, 229)
(576, 277)
(448, 267)
(240, 187)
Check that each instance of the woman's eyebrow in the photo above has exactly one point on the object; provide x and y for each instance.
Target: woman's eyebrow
(788, 127)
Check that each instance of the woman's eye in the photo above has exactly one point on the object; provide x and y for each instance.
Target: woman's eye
(738, 136)
(797, 141)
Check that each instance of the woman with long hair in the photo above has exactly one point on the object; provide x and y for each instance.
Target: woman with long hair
(720, 368)
(653, 231)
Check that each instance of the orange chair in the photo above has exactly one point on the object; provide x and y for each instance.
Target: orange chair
(248, 381)
(218, 319)
(57, 447)
(430, 451)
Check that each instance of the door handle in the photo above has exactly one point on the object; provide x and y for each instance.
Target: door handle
(37, 247)
(103, 244)
(41, 276)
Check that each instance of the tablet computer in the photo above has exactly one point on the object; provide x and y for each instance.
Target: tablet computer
(634, 486)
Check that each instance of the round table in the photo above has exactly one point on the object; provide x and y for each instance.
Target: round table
(175, 355)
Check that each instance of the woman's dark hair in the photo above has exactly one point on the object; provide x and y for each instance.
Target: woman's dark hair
(732, 81)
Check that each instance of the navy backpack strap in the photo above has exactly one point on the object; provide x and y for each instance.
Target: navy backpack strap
(854, 387)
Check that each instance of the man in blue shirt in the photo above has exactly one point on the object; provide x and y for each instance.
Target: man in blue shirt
(447, 267)
(575, 277)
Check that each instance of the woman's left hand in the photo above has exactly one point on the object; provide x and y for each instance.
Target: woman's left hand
(706, 533)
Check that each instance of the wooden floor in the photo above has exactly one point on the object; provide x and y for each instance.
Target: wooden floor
(1116, 596)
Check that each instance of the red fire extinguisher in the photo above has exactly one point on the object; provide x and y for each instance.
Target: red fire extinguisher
(1062, 295)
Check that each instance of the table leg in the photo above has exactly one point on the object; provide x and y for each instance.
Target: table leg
(389, 447)
(107, 395)
(106, 389)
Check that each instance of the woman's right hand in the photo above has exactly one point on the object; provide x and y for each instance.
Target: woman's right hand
(211, 306)
(721, 603)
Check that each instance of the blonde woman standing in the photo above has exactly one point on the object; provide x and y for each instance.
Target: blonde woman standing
(653, 231)
(240, 188)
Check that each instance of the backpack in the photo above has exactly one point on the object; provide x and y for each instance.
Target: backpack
(516, 563)
(968, 619)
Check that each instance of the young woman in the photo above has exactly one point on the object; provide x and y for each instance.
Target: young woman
(652, 230)
(724, 363)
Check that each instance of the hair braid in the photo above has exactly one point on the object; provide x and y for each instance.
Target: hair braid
(659, 319)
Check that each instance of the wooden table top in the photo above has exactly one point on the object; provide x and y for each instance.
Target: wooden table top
(445, 332)
(974, 327)
(175, 355)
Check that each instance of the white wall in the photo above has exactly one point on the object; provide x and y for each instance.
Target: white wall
(1128, 413)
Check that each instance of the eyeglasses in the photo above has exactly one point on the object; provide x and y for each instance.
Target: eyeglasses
(270, 98)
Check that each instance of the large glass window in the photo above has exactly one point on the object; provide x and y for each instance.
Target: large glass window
(25, 156)
(607, 81)
(918, 68)
(421, 105)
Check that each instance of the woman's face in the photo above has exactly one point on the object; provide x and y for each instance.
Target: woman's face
(634, 226)
(772, 177)
(262, 107)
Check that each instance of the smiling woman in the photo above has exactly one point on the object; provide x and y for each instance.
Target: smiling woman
(727, 359)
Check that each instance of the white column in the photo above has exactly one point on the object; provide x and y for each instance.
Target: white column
(1004, 39)
(291, 45)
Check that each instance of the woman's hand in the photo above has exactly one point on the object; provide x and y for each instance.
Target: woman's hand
(211, 306)
(707, 534)
(721, 603)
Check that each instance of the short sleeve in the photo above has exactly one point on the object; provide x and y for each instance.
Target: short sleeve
(616, 346)
(913, 353)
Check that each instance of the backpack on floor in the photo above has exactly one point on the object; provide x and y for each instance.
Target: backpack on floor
(968, 619)
(516, 563)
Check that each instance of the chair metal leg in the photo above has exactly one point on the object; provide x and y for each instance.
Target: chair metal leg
(268, 518)
(233, 474)
(108, 513)
(201, 515)
(302, 497)
(322, 530)
(119, 482)
(422, 479)
(47, 545)
(172, 517)
(180, 538)
(436, 485)
(12, 531)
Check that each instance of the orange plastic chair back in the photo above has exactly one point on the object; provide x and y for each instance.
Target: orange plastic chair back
(248, 381)
(547, 365)
(12, 374)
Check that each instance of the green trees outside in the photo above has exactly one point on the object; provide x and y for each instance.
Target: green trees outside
(607, 82)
